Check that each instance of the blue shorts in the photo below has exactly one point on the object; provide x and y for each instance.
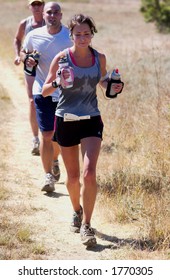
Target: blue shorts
(45, 112)
(70, 133)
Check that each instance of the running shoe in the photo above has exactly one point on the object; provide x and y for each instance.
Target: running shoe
(87, 235)
(76, 221)
(56, 170)
(36, 148)
(49, 183)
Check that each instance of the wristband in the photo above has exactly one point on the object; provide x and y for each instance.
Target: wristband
(54, 84)
(105, 78)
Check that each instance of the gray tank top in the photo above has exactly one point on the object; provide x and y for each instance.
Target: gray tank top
(81, 99)
(28, 26)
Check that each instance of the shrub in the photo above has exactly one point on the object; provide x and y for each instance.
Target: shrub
(157, 11)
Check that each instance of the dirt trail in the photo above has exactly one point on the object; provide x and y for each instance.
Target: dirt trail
(50, 214)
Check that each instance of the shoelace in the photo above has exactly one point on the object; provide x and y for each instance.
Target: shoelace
(88, 230)
(50, 177)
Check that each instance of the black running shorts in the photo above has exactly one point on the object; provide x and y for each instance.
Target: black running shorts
(70, 133)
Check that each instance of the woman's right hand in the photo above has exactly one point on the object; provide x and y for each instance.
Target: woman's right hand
(62, 75)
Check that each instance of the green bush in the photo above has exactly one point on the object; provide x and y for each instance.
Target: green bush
(157, 11)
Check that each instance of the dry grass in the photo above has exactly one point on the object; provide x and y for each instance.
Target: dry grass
(16, 238)
(134, 166)
(135, 159)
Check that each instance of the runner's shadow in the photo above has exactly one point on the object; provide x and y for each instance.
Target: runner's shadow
(117, 243)
(55, 194)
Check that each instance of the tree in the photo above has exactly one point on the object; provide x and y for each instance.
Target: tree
(157, 11)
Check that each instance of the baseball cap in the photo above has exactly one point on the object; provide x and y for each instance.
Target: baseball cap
(32, 1)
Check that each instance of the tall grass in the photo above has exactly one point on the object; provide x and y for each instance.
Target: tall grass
(134, 168)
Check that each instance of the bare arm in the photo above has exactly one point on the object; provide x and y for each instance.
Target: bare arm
(103, 82)
(18, 41)
(22, 55)
(105, 77)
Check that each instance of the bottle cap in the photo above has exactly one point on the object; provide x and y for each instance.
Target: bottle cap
(115, 74)
(63, 61)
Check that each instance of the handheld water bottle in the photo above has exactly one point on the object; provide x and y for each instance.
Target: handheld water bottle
(64, 64)
(31, 71)
(115, 78)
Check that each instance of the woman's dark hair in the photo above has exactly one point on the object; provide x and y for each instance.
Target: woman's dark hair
(80, 18)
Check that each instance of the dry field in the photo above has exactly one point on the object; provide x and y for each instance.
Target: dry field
(134, 165)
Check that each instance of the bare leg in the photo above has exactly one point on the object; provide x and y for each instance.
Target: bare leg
(56, 149)
(56, 168)
(70, 157)
(29, 80)
(46, 150)
(90, 148)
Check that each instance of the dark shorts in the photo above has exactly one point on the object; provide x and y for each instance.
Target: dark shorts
(70, 133)
(45, 112)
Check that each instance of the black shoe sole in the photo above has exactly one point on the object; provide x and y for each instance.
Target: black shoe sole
(47, 189)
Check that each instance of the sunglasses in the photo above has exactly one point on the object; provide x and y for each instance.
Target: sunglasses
(36, 4)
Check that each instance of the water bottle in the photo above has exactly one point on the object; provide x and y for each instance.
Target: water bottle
(64, 64)
(31, 71)
(115, 78)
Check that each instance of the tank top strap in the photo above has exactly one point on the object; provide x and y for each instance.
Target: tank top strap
(28, 26)
(94, 53)
(96, 58)
(70, 56)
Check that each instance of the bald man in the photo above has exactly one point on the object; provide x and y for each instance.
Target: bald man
(48, 41)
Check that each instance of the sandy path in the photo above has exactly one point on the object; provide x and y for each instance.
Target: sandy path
(51, 213)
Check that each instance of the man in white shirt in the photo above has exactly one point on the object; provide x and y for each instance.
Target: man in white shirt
(47, 41)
